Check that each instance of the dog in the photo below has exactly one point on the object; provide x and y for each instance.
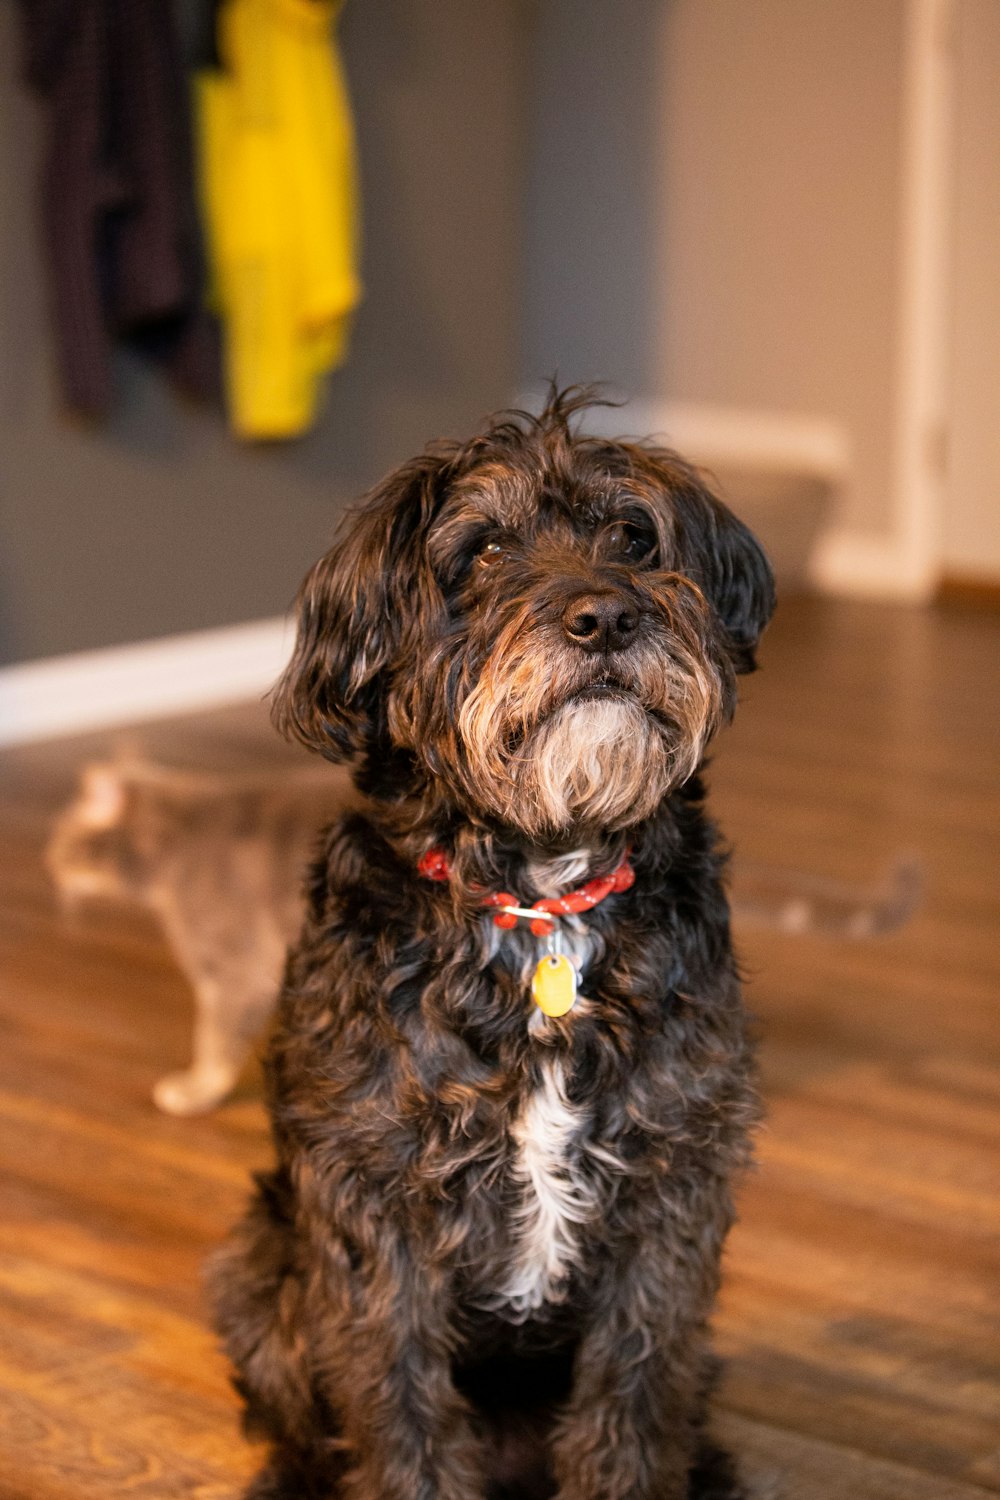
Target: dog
(510, 1077)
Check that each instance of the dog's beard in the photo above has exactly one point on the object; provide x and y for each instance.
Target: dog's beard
(554, 744)
(601, 762)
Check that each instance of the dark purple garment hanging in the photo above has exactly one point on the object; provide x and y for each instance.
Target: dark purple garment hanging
(118, 211)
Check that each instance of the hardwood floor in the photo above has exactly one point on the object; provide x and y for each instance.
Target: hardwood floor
(860, 1315)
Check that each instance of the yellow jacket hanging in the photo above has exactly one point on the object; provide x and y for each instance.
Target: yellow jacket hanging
(280, 205)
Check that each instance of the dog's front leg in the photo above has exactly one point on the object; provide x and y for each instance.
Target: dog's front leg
(632, 1424)
(405, 1426)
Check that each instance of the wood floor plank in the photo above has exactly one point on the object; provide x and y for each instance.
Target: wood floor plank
(785, 1465)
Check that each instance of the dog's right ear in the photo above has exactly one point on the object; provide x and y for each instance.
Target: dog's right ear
(351, 611)
(729, 564)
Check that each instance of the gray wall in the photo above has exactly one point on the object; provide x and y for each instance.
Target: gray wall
(159, 521)
(595, 192)
(714, 211)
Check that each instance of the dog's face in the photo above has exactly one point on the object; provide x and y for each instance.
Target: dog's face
(547, 625)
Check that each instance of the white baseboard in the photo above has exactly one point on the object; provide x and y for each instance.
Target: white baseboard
(723, 437)
(854, 564)
(149, 680)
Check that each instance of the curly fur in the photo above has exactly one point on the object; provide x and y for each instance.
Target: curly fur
(484, 1262)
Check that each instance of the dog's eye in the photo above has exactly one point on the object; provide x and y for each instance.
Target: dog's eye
(490, 555)
(627, 541)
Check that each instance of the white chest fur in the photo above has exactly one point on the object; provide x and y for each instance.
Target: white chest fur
(555, 1197)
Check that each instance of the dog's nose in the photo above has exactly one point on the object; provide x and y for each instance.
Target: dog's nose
(601, 622)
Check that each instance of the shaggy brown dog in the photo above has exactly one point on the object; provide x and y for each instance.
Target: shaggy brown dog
(485, 1260)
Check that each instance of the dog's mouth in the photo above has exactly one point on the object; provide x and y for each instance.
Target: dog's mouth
(605, 688)
(608, 690)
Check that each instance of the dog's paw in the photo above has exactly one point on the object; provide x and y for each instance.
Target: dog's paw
(193, 1091)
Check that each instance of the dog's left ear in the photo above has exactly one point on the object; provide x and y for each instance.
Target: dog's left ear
(730, 567)
(352, 613)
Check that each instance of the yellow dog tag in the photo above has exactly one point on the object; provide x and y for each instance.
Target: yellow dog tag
(553, 987)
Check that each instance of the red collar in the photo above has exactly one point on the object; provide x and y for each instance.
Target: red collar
(435, 865)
